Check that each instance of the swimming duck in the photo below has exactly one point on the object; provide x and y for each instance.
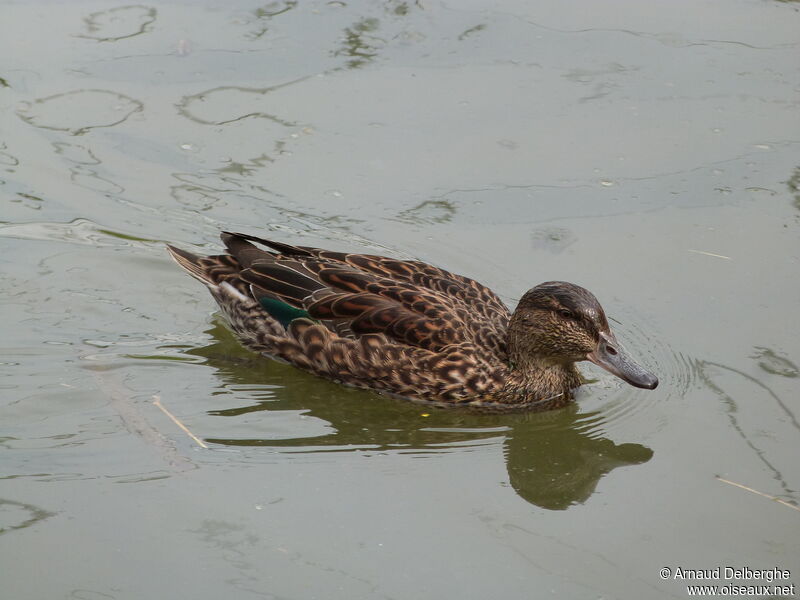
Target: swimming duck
(408, 328)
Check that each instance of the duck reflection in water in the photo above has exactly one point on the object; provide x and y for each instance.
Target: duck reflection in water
(554, 459)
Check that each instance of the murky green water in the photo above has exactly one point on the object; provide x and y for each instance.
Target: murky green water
(648, 151)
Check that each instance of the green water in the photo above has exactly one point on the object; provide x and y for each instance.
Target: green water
(648, 152)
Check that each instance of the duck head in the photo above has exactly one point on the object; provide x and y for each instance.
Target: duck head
(561, 323)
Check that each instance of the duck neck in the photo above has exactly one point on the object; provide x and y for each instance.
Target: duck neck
(537, 381)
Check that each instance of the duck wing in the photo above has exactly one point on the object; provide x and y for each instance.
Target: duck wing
(410, 302)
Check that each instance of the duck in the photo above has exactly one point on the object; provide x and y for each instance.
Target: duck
(409, 329)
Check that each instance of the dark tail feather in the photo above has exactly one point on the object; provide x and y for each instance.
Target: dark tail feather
(284, 249)
(229, 238)
(244, 252)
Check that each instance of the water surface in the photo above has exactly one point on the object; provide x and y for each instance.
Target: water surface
(646, 151)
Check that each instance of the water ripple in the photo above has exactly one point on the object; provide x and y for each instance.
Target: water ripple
(615, 401)
(18, 515)
(79, 111)
(119, 23)
(78, 231)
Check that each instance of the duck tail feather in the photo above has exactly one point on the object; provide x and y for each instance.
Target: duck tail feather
(191, 263)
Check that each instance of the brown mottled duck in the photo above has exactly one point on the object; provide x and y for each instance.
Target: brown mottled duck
(410, 329)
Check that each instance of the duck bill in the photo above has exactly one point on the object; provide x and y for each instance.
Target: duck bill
(611, 356)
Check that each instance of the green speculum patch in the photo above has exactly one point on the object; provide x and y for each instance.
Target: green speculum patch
(282, 312)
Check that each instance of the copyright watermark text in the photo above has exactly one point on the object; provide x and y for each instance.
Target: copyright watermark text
(732, 581)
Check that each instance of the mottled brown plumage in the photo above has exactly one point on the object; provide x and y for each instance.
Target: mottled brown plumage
(408, 328)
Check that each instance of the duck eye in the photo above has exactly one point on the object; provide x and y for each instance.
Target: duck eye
(566, 313)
